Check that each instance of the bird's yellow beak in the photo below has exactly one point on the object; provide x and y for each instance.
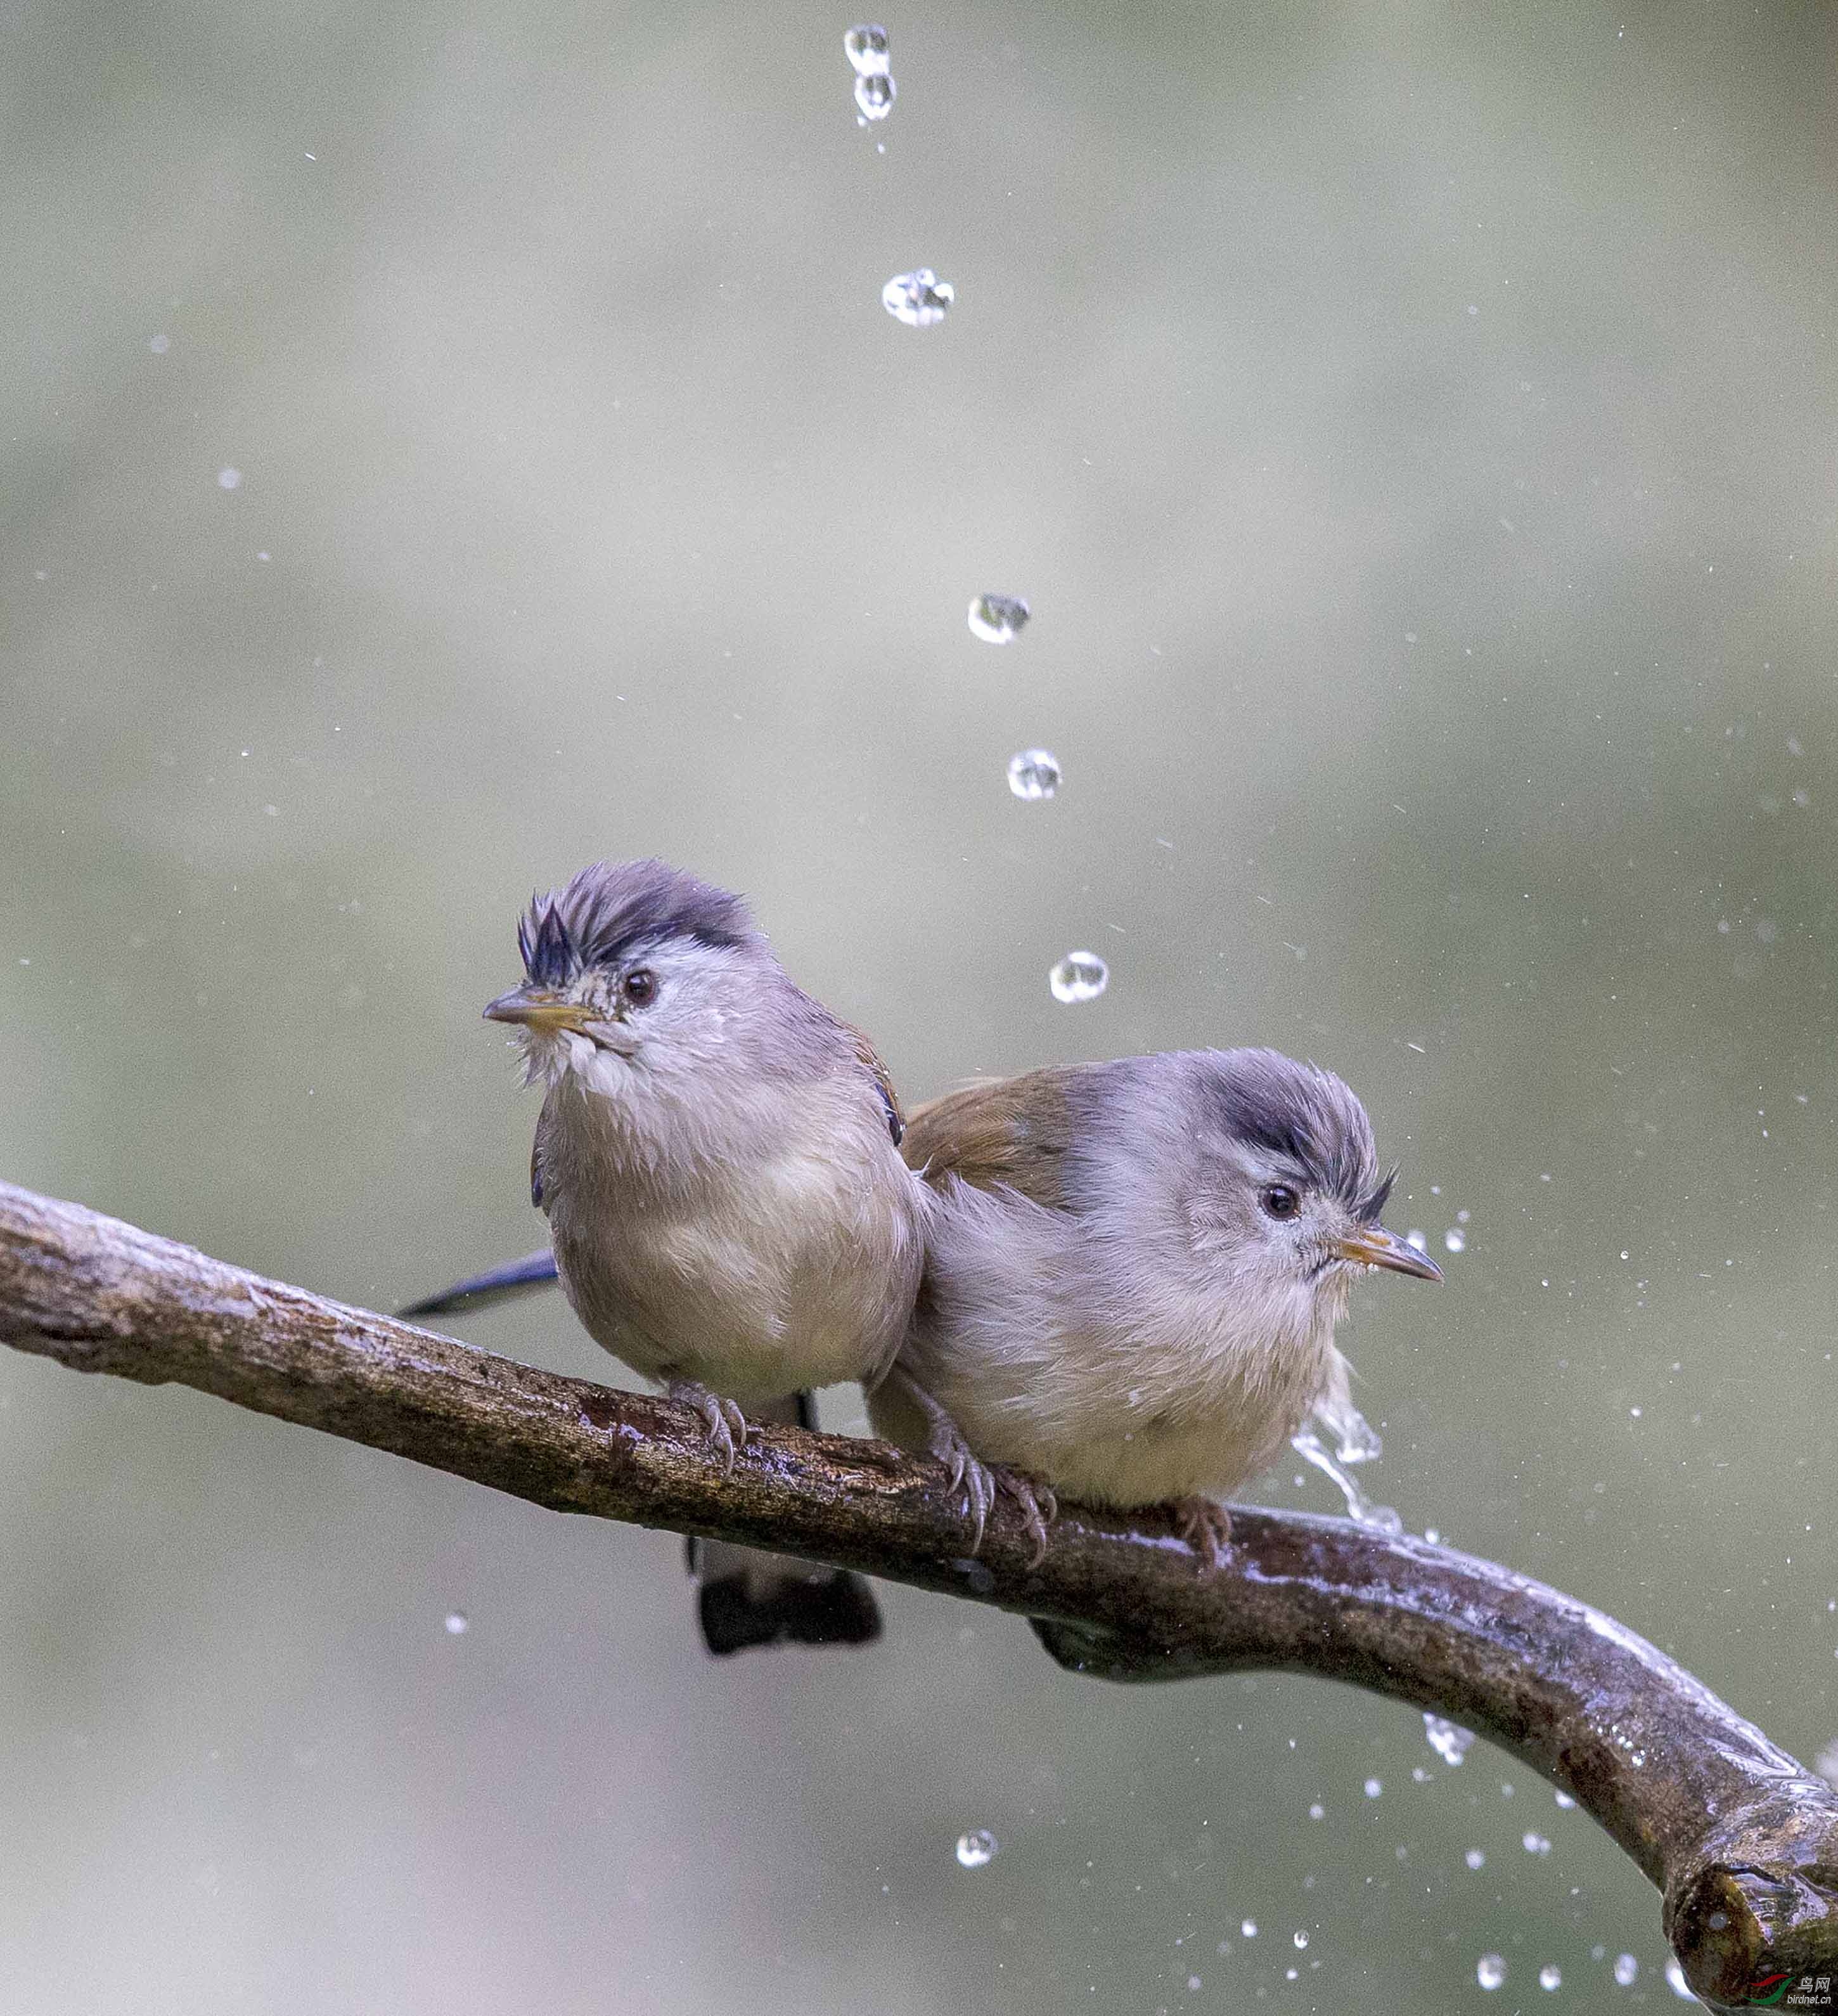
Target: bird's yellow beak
(1373, 1246)
(540, 1008)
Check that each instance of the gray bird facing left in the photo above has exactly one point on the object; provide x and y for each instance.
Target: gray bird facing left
(718, 1157)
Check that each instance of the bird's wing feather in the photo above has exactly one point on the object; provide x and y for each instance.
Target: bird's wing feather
(883, 1084)
(1014, 1134)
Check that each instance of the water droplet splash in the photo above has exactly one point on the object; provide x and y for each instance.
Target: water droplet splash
(1449, 1741)
(1301, 1941)
(457, 1624)
(919, 299)
(1033, 774)
(869, 49)
(1356, 1439)
(1360, 1509)
(1490, 1971)
(874, 96)
(1079, 975)
(977, 1849)
(1550, 1979)
(996, 619)
(1627, 1968)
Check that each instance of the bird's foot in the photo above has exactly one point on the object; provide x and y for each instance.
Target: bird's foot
(1206, 1525)
(944, 1444)
(983, 1483)
(1040, 1506)
(980, 1482)
(727, 1425)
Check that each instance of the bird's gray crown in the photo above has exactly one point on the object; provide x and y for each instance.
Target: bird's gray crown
(613, 907)
(1308, 1116)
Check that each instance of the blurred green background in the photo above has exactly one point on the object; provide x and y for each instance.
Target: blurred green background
(1413, 427)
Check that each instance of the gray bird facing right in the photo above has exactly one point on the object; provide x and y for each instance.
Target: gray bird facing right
(1133, 1278)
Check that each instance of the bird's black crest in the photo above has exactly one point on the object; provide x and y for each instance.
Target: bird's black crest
(1308, 1117)
(610, 908)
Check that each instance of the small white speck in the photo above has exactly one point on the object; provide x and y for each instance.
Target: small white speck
(457, 1624)
(229, 479)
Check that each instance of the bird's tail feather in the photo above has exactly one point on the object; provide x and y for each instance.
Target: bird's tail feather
(747, 1597)
(497, 1284)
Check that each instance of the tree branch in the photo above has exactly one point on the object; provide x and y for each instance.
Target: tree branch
(1742, 1841)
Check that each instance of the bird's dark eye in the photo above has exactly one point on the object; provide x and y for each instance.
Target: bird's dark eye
(1280, 1200)
(640, 985)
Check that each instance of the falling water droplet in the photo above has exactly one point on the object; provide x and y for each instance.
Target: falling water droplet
(1449, 1741)
(1475, 1858)
(229, 479)
(1536, 1844)
(875, 95)
(1676, 1982)
(1249, 1929)
(158, 345)
(1550, 1979)
(1079, 975)
(1490, 1971)
(977, 1849)
(919, 299)
(1033, 774)
(1301, 1941)
(1417, 1239)
(456, 1624)
(1455, 1239)
(996, 619)
(1374, 1786)
(1627, 1968)
(869, 49)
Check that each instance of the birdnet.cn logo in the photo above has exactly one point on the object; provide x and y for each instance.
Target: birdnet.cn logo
(1788, 1990)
